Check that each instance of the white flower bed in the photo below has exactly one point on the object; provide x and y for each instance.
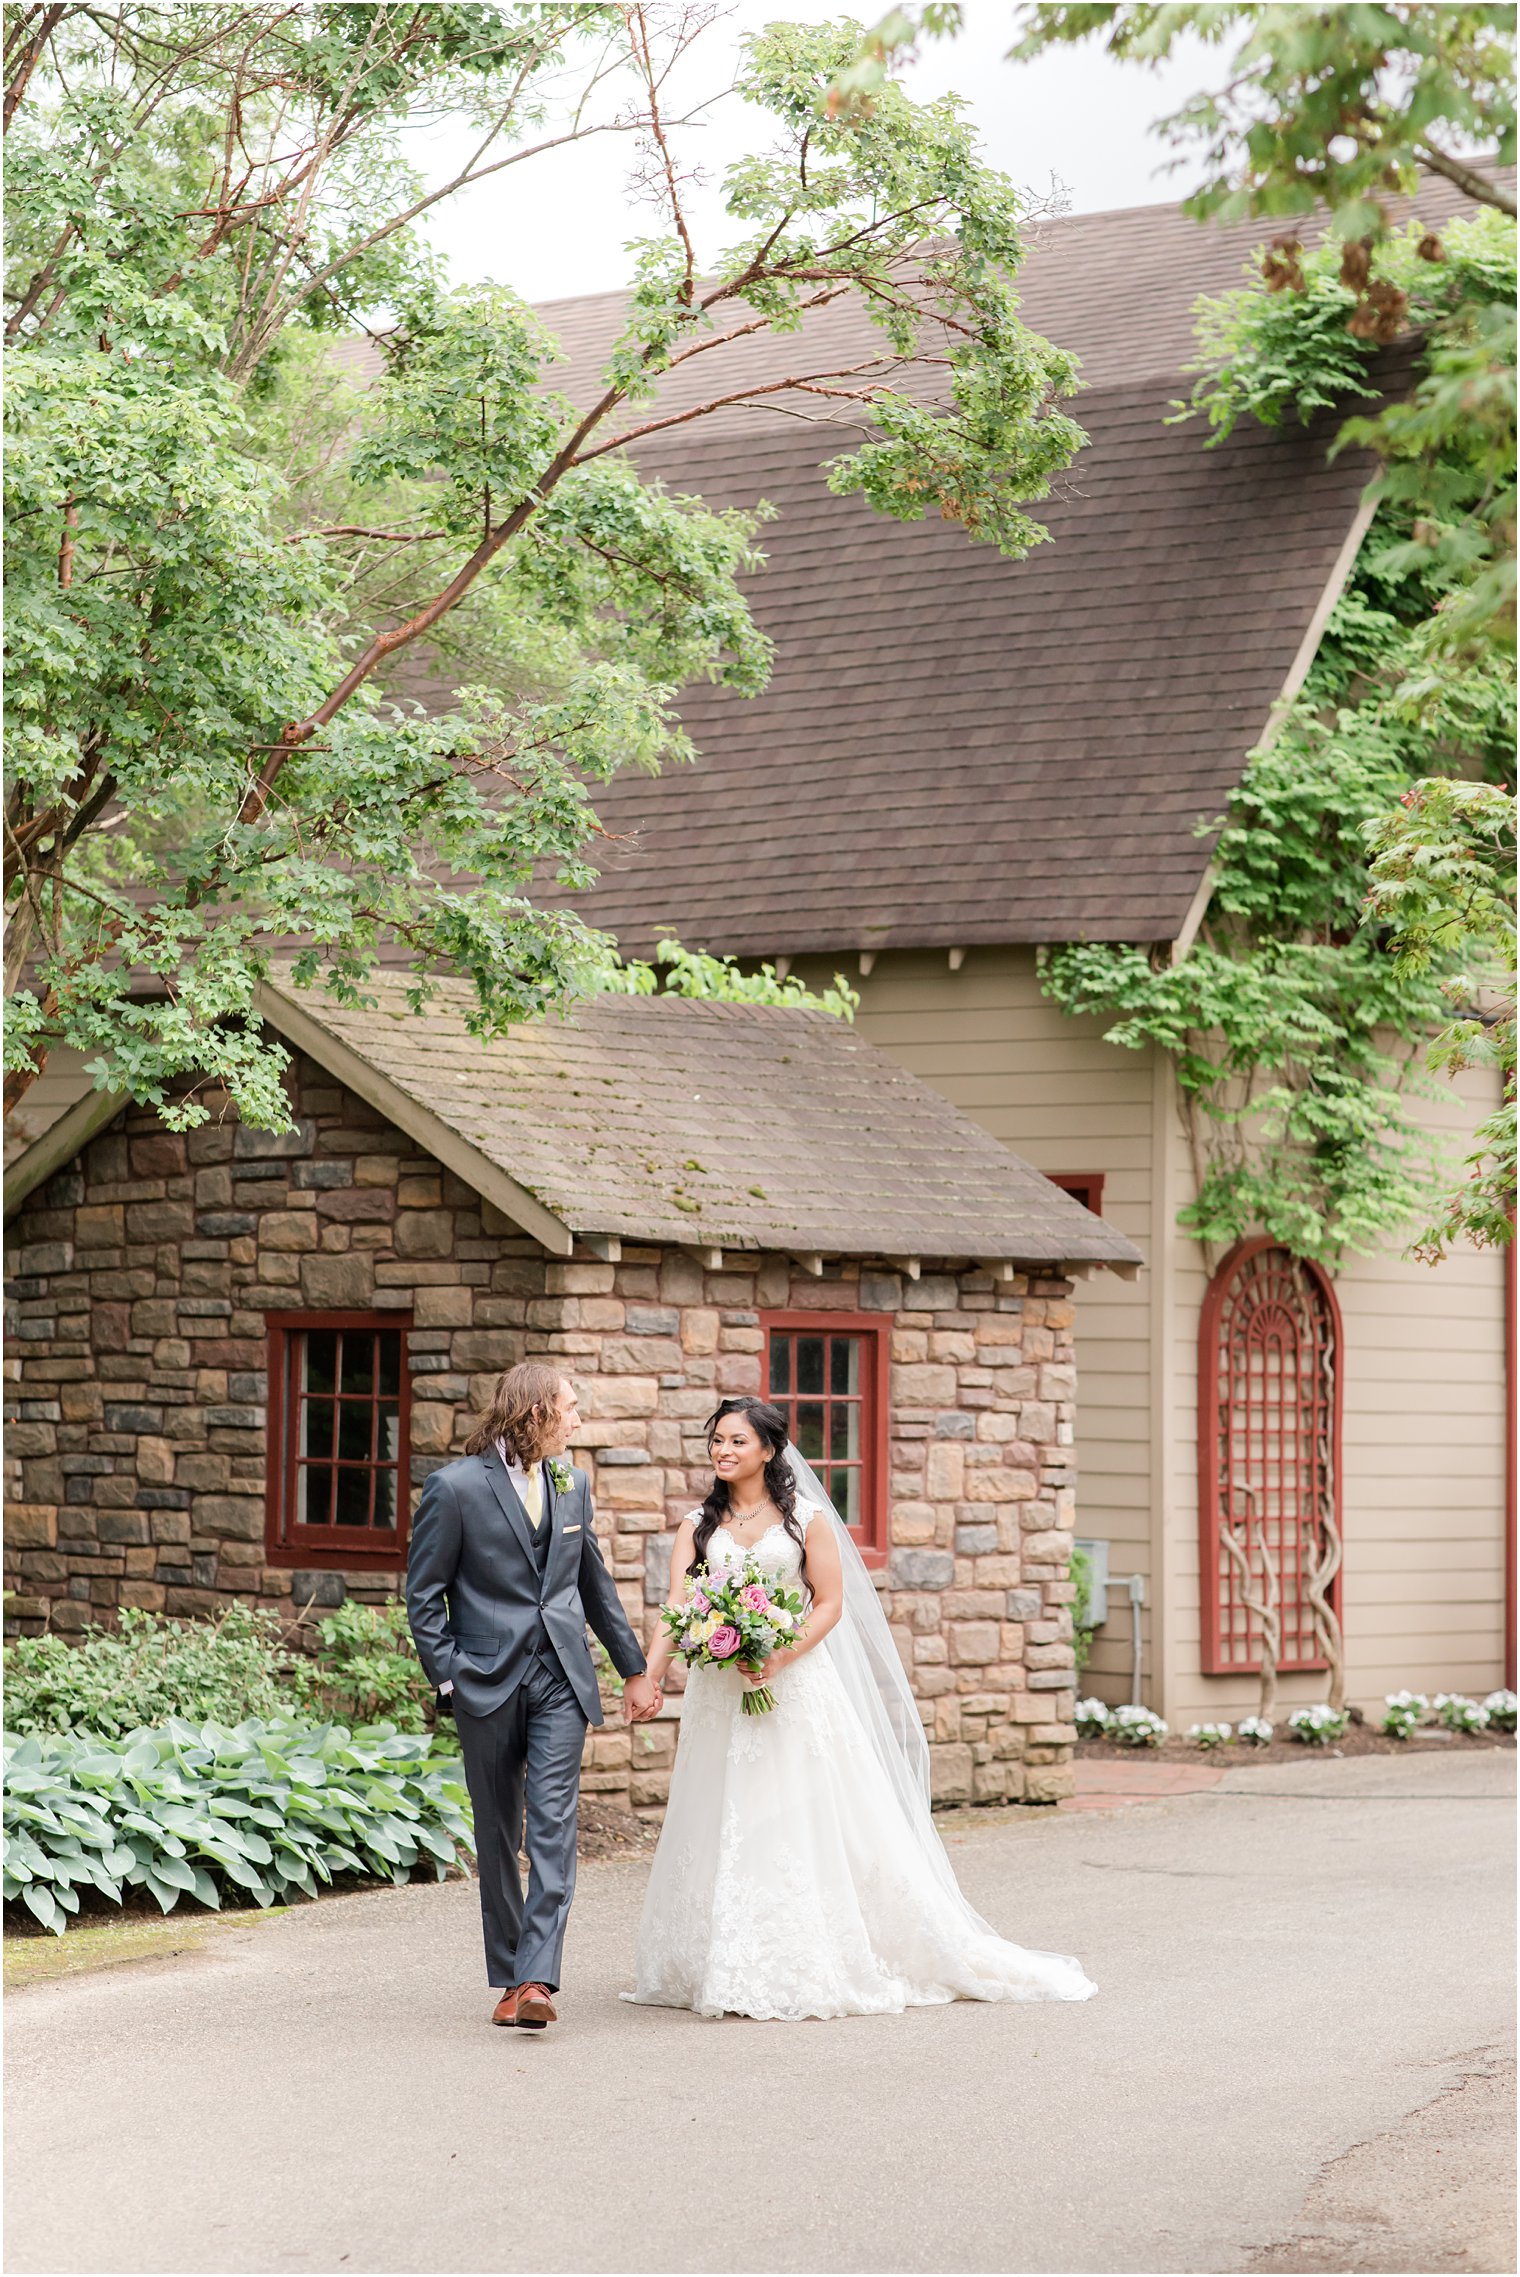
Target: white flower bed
(1319, 1726)
(1210, 1735)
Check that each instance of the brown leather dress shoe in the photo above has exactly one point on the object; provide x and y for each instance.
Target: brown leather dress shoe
(505, 2011)
(534, 2007)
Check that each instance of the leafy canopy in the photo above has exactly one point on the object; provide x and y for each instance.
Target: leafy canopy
(233, 567)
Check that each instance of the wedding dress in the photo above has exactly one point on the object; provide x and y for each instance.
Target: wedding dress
(798, 1872)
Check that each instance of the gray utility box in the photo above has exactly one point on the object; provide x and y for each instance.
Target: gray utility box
(1097, 1592)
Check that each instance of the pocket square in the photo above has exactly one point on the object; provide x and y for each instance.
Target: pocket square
(572, 1529)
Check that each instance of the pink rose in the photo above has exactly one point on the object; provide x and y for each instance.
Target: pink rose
(754, 1598)
(724, 1642)
(701, 1604)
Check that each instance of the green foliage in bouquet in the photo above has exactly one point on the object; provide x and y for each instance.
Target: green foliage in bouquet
(118, 1680)
(261, 1810)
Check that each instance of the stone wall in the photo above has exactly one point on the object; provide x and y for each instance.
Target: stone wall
(982, 1489)
(140, 1278)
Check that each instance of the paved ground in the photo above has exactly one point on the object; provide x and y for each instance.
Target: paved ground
(1296, 2062)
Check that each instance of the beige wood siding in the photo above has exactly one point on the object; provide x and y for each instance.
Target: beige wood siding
(1422, 1459)
(1050, 1088)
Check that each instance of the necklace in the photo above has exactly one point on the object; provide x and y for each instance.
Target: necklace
(743, 1517)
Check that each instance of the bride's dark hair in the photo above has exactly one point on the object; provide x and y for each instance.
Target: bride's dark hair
(769, 1425)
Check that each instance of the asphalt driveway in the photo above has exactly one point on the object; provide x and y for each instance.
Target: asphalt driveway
(1298, 2060)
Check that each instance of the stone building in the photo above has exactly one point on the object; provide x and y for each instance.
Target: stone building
(235, 1355)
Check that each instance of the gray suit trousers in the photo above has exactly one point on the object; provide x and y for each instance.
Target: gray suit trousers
(523, 1760)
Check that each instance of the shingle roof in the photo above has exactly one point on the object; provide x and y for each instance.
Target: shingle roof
(955, 748)
(733, 1126)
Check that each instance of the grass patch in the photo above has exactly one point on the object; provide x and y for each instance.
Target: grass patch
(35, 1956)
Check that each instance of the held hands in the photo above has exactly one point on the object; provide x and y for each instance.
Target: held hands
(642, 1699)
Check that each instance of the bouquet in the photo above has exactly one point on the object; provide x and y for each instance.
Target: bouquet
(735, 1617)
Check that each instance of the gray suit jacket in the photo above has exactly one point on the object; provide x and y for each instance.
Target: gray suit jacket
(474, 1594)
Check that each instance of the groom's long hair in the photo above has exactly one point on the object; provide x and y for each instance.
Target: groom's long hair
(770, 1426)
(521, 1412)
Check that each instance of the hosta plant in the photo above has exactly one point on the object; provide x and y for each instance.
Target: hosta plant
(1501, 1708)
(258, 1811)
(1210, 1735)
(1319, 1726)
(1403, 1712)
(1458, 1713)
(1137, 1727)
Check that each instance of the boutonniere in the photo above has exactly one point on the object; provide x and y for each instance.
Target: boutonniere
(562, 1475)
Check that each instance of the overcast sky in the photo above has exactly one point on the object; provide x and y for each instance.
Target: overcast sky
(1073, 122)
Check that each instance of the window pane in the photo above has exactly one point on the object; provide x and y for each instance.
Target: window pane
(358, 1361)
(321, 1351)
(844, 1431)
(353, 1498)
(389, 1341)
(781, 1364)
(388, 1438)
(385, 1499)
(313, 1496)
(810, 1430)
(353, 1429)
(844, 1363)
(810, 1363)
(317, 1428)
(844, 1493)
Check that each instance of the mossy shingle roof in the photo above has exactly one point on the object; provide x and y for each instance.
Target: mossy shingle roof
(737, 1126)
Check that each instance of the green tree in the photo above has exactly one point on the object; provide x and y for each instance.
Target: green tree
(1443, 886)
(222, 554)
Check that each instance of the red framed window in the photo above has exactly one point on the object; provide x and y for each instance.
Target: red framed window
(1084, 1186)
(1269, 1460)
(339, 1439)
(828, 1373)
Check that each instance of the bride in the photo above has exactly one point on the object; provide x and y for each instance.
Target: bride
(798, 1871)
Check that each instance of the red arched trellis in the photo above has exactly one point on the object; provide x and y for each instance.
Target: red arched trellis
(1269, 1453)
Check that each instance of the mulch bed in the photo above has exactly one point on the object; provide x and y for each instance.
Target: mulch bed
(1360, 1739)
(606, 1832)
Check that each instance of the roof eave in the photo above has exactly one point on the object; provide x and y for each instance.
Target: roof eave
(494, 1185)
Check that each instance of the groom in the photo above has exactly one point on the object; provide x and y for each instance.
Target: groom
(502, 1577)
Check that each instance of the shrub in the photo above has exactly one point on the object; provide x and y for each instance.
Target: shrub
(367, 1670)
(1501, 1708)
(1319, 1726)
(1092, 1718)
(262, 1809)
(1254, 1730)
(1082, 1631)
(1210, 1735)
(1458, 1713)
(119, 1680)
(1137, 1727)
(1403, 1712)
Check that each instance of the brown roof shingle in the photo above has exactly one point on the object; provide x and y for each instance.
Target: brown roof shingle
(955, 748)
(735, 1126)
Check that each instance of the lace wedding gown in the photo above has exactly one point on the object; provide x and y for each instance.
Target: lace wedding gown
(790, 1879)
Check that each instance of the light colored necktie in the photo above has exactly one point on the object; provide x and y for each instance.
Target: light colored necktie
(533, 1494)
